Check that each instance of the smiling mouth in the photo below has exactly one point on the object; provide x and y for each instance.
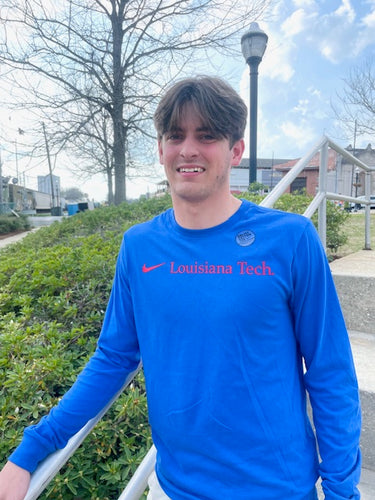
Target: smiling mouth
(186, 170)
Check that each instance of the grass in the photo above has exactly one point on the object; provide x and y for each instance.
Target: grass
(355, 230)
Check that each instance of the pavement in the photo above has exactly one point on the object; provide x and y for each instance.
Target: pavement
(354, 276)
(14, 238)
(36, 223)
(361, 263)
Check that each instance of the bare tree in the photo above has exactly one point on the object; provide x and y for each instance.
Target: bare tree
(354, 107)
(80, 57)
(91, 144)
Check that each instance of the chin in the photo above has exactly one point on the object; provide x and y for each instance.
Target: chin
(190, 195)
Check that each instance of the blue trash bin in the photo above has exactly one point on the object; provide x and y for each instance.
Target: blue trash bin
(72, 208)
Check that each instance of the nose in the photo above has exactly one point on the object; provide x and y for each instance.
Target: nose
(189, 148)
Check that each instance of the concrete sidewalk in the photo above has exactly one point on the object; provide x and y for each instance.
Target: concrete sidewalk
(36, 223)
(361, 263)
(4, 242)
(354, 277)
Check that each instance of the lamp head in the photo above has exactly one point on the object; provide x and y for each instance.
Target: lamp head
(254, 43)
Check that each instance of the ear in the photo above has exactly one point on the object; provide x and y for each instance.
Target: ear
(160, 150)
(237, 152)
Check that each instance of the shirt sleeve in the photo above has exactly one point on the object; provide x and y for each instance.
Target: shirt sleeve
(116, 355)
(330, 377)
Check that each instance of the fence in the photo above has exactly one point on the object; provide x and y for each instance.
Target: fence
(6, 208)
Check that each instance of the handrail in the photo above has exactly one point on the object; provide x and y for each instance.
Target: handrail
(319, 201)
(286, 181)
(137, 484)
(49, 467)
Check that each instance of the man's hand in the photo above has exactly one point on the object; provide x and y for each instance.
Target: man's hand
(14, 482)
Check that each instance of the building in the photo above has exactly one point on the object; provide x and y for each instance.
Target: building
(342, 177)
(267, 174)
(45, 186)
(23, 199)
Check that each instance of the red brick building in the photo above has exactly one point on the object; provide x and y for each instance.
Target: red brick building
(308, 179)
(342, 176)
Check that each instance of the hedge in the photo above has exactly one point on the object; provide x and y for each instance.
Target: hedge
(11, 223)
(54, 287)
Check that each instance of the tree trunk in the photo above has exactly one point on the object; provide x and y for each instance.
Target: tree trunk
(118, 103)
(110, 187)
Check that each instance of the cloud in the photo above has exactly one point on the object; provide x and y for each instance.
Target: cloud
(345, 10)
(304, 3)
(369, 20)
(302, 107)
(289, 139)
(277, 64)
(333, 32)
(338, 34)
(315, 92)
(301, 133)
(297, 22)
(366, 31)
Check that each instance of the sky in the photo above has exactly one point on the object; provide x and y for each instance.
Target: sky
(312, 46)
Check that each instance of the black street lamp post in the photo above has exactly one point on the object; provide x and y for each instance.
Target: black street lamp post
(253, 44)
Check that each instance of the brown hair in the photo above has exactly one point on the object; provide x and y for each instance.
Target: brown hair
(216, 103)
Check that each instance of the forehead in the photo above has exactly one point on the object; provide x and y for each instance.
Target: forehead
(188, 117)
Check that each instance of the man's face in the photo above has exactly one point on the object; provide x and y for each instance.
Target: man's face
(197, 163)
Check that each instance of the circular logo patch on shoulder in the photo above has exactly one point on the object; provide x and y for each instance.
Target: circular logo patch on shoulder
(245, 238)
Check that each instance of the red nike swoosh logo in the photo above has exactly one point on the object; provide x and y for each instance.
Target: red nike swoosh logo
(146, 269)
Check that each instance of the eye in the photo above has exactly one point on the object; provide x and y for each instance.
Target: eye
(174, 136)
(208, 137)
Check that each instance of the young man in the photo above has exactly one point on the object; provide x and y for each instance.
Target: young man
(225, 302)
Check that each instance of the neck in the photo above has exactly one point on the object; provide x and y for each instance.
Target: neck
(201, 215)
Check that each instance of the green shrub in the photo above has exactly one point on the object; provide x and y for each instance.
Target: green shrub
(11, 223)
(54, 288)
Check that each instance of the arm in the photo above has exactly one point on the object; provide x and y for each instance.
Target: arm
(330, 377)
(14, 482)
(117, 355)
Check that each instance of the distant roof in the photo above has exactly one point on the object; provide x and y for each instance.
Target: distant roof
(313, 163)
(263, 162)
(355, 151)
(288, 163)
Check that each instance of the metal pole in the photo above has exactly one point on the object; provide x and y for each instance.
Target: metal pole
(322, 211)
(138, 483)
(253, 64)
(49, 165)
(367, 211)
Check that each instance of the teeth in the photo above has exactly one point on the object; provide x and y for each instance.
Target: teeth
(190, 170)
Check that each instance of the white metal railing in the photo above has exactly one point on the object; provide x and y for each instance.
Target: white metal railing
(138, 483)
(319, 201)
(49, 467)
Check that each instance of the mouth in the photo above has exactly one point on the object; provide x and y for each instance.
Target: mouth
(190, 170)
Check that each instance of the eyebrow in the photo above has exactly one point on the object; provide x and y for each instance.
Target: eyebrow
(199, 129)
